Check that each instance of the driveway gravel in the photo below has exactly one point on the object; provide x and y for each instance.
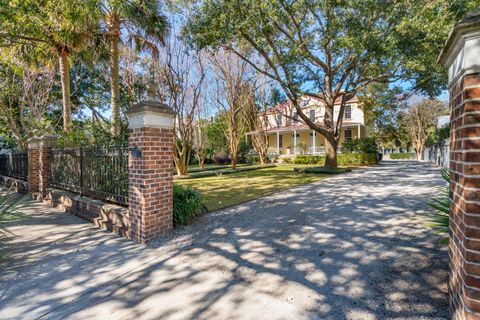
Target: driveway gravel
(353, 246)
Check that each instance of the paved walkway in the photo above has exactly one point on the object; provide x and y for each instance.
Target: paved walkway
(349, 247)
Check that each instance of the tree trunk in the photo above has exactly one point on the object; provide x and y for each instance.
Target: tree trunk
(114, 85)
(180, 158)
(331, 153)
(234, 161)
(182, 169)
(261, 158)
(420, 153)
(65, 79)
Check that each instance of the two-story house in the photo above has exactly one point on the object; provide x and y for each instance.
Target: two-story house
(288, 135)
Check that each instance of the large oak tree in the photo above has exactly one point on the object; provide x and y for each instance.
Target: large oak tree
(332, 48)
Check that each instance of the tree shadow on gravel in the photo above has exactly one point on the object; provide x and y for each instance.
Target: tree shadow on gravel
(353, 246)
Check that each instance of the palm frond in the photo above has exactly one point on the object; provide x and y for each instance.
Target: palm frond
(441, 205)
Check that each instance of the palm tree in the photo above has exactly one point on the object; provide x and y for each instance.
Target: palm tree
(141, 23)
(58, 27)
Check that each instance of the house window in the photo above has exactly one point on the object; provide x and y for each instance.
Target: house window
(312, 115)
(348, 134)
(295, 117)
(348, 112)
(280, 141)
(279, 120)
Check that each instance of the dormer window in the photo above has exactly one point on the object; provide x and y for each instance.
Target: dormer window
(279, 119)
(295, 117)
(312, 115)
(348, 112)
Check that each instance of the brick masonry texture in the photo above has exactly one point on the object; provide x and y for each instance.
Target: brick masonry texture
(106, 216)
(150, 183)
(39, 160)
(464, 247)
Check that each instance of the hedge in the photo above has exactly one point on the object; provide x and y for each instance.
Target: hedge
(213, 173)
(403, 155)
(356, 159)
(308, 159)
(324, 170)
(343, 159)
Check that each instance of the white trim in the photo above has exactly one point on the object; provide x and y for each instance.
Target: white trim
(149, 119)
(463, 58)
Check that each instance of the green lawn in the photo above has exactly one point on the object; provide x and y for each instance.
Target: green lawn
(223, 191)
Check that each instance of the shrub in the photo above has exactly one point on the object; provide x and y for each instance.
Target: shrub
(255, 158)
(324, 170)
(186, 204)
(343, 159)
(363, 145)
(287, 160)
(403, 155)
(357, 159)
(308, 159)
(302, 147)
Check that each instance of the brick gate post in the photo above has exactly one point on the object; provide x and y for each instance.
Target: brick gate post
(39, 161)
(462, 57)
(150, 170)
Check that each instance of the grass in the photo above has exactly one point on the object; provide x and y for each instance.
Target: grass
(224, 191)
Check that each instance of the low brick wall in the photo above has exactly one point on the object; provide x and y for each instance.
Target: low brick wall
(17, 184)
(107, 216)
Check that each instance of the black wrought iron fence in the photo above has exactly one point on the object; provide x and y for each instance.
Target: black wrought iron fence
(14, 165)
(101, 173)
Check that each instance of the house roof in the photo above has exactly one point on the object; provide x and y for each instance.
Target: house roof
(318, 97)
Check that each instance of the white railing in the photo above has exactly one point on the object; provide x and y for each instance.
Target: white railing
(316, 151)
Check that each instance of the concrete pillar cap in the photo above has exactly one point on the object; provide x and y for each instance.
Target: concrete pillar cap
(462, 49)
(150, 114)
(48, 140)
(33, 143)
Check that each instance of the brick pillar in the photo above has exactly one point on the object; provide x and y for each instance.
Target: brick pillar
(33, 164)
(39, 160)
(462, 57)
(150, 170)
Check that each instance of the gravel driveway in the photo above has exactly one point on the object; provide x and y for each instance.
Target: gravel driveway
(354, 246)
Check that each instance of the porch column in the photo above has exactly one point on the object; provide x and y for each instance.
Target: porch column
(278, 142)
(358, 132)
(462, 57)
(314, 143)
(295, 142)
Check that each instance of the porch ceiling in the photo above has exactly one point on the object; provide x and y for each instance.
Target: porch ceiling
(304, 128)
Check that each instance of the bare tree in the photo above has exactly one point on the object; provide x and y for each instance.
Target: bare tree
(201, 136)
(24, 100)
(257, 118)
(419, 118)
(181, 77)
(233, 94)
